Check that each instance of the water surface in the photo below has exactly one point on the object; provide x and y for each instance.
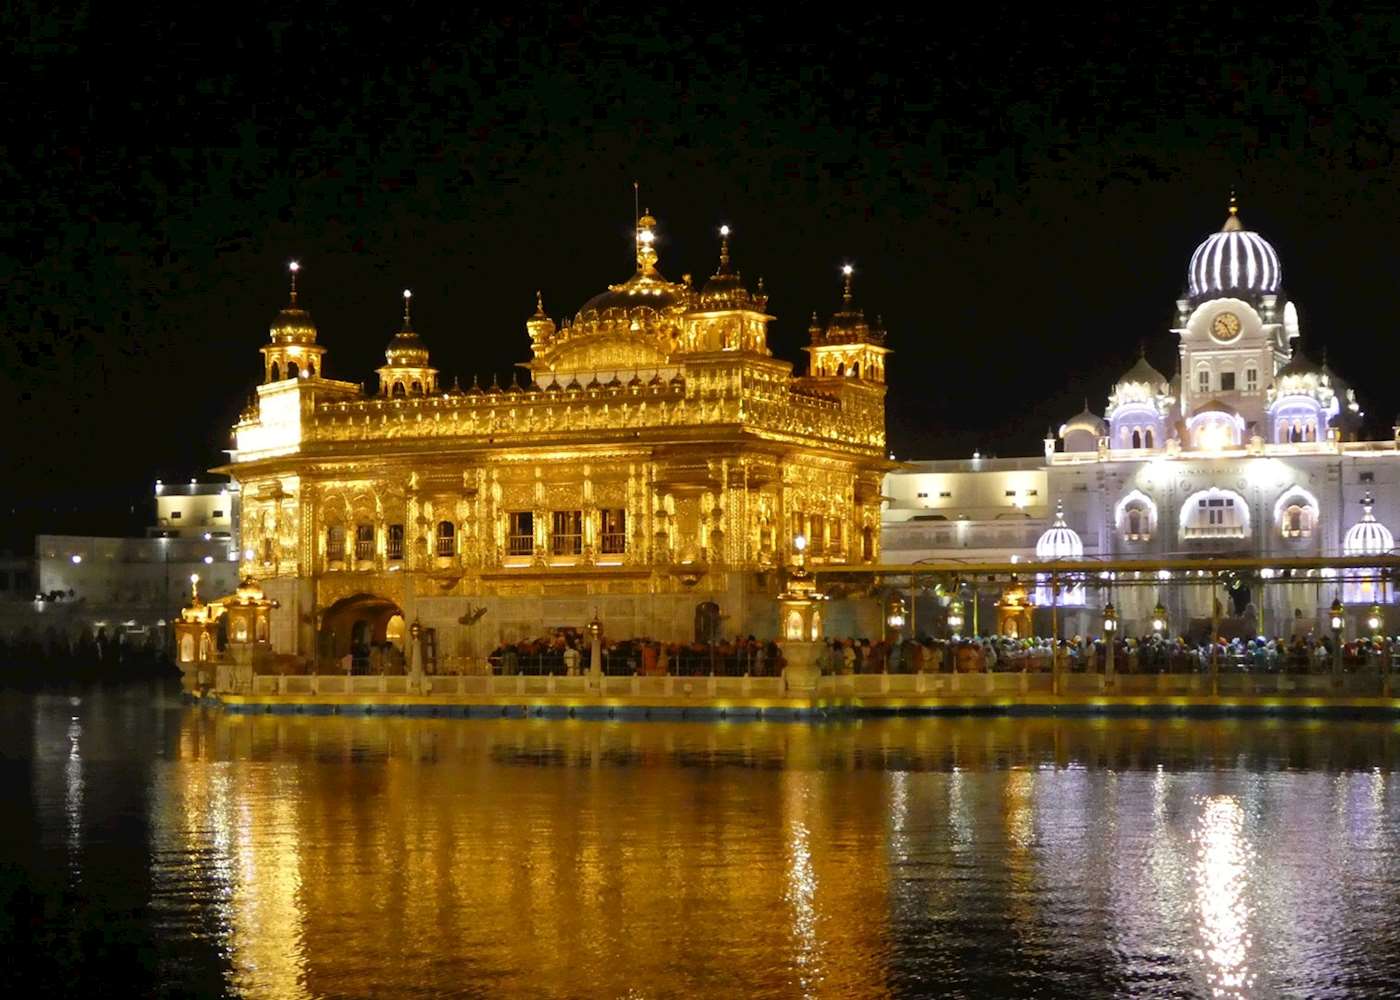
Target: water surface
(163, 849)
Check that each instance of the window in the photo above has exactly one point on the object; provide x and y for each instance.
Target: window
(175, 515)
(1251, 379)
(268, 549)
(1367, 477)
(1035, 493)
(276, 373)
(1297, 521)
(1135, 523)
(446, 539)
(923, 496)
(522, 533)
(1137, 438)
(1227, 381)
(335, 543)
(417, 388)
(1011, 493)
(837, 531)
(567, 536)
(1203, 380)
(1147, 438)
(945, 494)
(292, 369)
(397, 392)
(364, 541)
(613, 540)
(218, 513)
(394, 541)
(1214, 514)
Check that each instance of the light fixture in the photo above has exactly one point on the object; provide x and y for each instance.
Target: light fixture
(1374, 620)
(1159, 619)
(800, 543)
(76, 559)
(1338, 614)
(208, 560)
(194, 578)
(724, 230)
(1110, 618)
(955, 615)
(895, 619)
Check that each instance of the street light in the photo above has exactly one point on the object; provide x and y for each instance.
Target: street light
(1110, 628)
(895, 619)
(955, 615)
(1337, 619)
(1159, 619)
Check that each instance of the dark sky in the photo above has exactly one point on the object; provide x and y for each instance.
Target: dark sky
(1019, 195)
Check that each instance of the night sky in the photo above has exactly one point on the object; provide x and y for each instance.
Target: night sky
(1019, 197)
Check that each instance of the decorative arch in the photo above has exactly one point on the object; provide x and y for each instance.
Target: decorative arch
(1214, 513)
(1295, 512)
(1136, 501)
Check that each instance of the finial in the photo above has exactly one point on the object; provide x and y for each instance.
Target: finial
(646, 236)
(723, 249)
(456, 386)
(407, 297)
(760, 284)
(294, 267)
(194, 589)
(539, 304)
(1234, 203)
(846, 296)
(1142, 348)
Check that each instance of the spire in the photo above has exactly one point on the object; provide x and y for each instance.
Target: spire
(1232, 221)
(646, 236)
(539, 305)
(846, 295)
(294, 267)
(723, 250)
(407, 318)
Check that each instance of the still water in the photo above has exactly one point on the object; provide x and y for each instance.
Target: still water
(157, 849)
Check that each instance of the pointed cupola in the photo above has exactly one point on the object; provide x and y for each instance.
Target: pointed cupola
(292, 351)
(406, 372)
(725, 316)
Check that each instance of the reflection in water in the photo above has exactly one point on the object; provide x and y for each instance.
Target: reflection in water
(1222, 878)
(300, 856)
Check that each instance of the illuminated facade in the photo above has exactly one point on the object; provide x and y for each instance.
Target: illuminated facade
(1249, 448)
(657, 457)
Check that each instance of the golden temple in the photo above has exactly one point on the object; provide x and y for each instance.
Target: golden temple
(655, 468)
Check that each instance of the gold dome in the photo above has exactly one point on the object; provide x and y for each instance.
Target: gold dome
(293, 324)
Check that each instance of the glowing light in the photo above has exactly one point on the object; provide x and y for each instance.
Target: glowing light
(208, 560)
(800, 543)
(646, 236)
(407, 294)
(194, 578)
(77, 559)
(294, 267)
(724, 230)
(848, 270)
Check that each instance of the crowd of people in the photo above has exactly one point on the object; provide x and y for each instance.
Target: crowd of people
(34, 658)
(570, 653)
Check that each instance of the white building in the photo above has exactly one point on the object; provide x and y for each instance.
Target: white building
(1248, 448)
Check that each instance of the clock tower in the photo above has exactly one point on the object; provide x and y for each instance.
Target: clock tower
(1232, 337)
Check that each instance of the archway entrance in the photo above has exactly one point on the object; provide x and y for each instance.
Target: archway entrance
(361, 627)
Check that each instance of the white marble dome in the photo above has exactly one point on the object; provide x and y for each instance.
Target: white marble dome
(1059, 541)
(1234, 260)
(1367, 537)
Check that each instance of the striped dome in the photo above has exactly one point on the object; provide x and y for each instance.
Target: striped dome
(1367, 537)
(1234, 260)
(1060, 541)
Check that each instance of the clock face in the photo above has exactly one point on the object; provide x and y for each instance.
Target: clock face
(1226, 326)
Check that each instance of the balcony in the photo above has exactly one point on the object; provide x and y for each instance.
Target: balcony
(520, 545)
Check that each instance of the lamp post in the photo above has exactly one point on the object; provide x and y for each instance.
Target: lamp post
(955, 616)
(1159, 619)
(1337, 619)
(1110, 631)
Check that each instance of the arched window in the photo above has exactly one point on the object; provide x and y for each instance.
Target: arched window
(1137, 438)
(416, 389)
(240, 629)
(841, 368)
(1214, 513)
(292, 371)
(187, 648)
(1136, 516)
(1297, 521)
(446, 538)
(397, 392)
(276, 372)
(260, 630)
(335, 543)
(364, 541)
(1147, 438)
(855, 369)
(311, 368)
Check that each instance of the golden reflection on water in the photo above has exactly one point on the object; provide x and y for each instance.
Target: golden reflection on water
(350, 856)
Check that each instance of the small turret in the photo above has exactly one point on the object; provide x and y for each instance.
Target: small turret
(292, 351)
(406, 371)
